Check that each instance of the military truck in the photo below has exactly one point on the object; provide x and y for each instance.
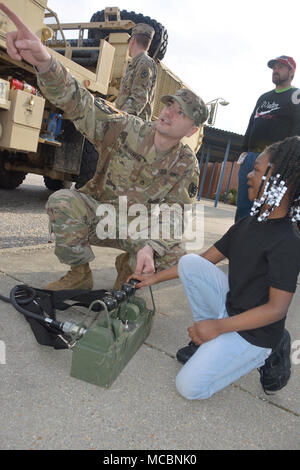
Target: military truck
(34, 136)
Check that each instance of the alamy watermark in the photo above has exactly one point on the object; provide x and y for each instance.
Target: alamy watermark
(2, 353)
(296, 354)
(153, 222)
(296, 97)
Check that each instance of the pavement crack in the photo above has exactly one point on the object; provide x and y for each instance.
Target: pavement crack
(242, 389)
(266, 400)
(11, 277)
(159, 349)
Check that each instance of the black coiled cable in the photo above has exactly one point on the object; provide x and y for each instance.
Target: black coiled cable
(17, 299)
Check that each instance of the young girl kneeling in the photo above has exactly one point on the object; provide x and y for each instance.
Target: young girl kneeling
(239, 320)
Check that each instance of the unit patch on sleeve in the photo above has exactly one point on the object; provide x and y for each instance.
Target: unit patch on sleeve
(144, 73)
(192, 190)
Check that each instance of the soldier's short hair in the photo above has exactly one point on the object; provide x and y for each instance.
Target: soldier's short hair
(142, 41)
(143, 33)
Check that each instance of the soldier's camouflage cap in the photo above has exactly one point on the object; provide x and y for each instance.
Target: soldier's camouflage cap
(192, 105)
(145, 29)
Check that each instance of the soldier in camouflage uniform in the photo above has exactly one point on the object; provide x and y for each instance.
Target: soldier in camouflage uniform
(145, 162)
(136, 95)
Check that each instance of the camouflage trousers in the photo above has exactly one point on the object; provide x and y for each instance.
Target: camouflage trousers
(73, 221)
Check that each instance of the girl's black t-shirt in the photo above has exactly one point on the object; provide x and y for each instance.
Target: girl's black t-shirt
(261, 255)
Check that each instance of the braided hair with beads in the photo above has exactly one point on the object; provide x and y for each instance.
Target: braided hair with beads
(285, 160)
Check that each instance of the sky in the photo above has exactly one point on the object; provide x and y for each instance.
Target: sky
(218, 48)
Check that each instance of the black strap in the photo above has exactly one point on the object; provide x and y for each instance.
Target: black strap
(82, 298)
(30, 303)
(34, 303)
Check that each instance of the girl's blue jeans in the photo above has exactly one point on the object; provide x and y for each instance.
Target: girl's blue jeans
(223, 360)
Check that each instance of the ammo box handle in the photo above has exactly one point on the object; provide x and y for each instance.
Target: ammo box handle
(108, 320)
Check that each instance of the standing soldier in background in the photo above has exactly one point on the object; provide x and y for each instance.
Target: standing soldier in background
(146, 162)
(136, 95)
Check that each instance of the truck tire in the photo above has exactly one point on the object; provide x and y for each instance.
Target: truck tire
(10, 179)
(53, 185)
(88, 166)
(159, 43)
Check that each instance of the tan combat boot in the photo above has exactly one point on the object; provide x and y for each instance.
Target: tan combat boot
(79, 277)
(123, 269)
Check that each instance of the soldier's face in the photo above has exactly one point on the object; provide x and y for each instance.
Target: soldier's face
(174, 123)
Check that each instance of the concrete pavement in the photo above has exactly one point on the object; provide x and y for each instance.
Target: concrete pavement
(43, 407)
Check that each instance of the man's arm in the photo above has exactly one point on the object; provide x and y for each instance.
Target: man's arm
(59, 87)
(23, 44)
(89, 116)
(212, 254)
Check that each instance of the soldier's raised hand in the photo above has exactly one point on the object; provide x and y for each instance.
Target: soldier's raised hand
(24, 44)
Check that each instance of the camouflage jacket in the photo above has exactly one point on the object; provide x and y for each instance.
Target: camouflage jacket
(136, 95)
(129, 164)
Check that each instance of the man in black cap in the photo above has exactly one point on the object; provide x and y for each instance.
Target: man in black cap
(275, 117)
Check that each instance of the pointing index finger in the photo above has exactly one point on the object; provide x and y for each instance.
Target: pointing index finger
(14, 18)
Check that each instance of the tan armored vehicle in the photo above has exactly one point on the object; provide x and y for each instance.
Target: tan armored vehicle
(34, 137)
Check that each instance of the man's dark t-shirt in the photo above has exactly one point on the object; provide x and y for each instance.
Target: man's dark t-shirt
(261, 255)
(275, 117)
